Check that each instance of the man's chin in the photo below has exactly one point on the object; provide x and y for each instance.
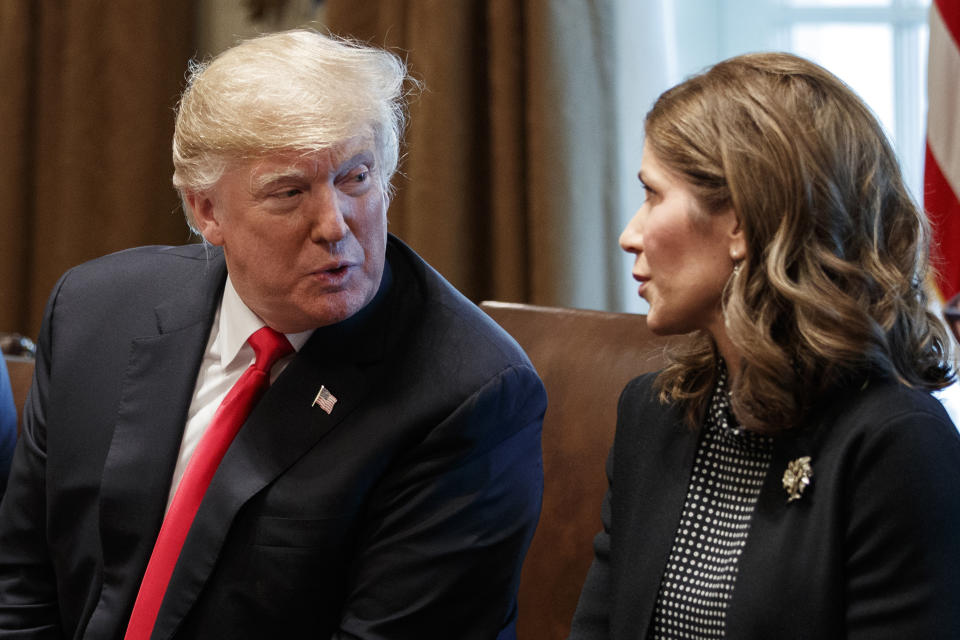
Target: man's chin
(331, 309)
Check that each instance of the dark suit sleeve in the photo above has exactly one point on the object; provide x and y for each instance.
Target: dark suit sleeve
(903, 535)
(448, 528)
(28, 594)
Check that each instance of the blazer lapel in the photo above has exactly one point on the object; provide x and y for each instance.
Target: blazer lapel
(654, 495)
(281, 429)
(157, 388)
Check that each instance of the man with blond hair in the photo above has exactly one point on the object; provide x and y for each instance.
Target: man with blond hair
(295, 428)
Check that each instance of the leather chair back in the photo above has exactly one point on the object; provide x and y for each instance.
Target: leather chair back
(584, 358)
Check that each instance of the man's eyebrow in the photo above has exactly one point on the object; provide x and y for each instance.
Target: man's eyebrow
(260, 181)
(361, 157)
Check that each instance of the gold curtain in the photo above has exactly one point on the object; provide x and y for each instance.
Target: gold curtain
(86, 121)
(508, 186)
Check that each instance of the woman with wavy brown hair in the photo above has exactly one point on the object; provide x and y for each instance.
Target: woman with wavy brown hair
(788, 474)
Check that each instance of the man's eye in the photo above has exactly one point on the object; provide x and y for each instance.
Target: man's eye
(358, 174)
(356, 181)
(287, 193)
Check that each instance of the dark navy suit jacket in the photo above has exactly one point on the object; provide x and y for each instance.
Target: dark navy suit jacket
(405, 513)
(870, 551)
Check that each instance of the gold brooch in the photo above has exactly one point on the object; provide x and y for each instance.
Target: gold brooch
(797, 477)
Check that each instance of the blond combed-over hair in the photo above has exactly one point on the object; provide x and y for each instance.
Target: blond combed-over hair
(832, 289)
(295, 90)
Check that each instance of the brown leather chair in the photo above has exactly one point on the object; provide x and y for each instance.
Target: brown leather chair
(21, 377)
(584, 358)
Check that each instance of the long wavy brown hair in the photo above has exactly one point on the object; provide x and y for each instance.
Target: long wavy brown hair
(832, 289)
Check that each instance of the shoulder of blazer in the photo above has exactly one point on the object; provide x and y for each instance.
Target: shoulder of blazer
(139, 292)
(641, 416)
(652, 442)
(640, 393)
(136, 269)
(869, 410)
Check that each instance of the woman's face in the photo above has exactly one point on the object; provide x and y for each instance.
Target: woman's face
(684, 255)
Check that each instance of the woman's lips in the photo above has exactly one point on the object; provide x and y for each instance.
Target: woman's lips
(643, 283)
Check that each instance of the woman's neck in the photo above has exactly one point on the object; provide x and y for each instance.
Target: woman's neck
(730, 355)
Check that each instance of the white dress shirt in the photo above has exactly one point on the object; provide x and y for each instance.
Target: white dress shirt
(226, 357)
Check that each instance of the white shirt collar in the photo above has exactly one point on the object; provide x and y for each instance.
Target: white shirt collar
(238, 322)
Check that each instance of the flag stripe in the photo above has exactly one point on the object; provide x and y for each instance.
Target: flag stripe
(943, 73)
(949, 11)
(944, 209)
(942, 163)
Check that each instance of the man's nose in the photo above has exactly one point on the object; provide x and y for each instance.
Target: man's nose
(328, 223)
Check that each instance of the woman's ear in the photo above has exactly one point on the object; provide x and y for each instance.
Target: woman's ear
(736, 237)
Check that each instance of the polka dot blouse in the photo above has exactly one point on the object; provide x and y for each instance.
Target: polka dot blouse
(701, 572)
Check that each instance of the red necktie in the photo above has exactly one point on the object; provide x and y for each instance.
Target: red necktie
(269, 346)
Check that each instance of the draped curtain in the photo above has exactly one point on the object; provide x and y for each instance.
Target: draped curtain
(509, 182)
(86, 121)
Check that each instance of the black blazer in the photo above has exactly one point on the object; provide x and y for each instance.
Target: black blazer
(871, 549)
(405, 513)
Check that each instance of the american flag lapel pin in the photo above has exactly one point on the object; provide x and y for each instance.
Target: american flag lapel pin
(325, 400)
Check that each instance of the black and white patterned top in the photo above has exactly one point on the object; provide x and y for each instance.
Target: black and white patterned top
(728, 473)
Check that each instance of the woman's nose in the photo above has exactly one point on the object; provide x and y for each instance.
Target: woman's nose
(631, 238)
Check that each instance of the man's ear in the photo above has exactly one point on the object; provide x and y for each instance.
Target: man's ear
(204, 216)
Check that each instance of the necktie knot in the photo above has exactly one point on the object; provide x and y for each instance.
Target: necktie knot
(269, 346)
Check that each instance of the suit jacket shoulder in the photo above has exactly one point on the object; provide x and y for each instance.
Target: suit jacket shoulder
(447, 319)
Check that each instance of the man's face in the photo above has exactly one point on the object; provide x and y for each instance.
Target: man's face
(304, 235)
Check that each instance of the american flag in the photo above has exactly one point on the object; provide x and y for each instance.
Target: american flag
(942, 170)
(325, 400)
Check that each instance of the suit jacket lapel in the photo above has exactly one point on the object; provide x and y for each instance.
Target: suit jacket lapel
(157, 388)
(281, 429)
